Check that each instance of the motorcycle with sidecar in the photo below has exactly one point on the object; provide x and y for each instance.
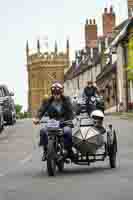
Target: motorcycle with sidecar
(90, 144)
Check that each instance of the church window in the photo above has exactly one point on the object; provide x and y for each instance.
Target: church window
(54, 75)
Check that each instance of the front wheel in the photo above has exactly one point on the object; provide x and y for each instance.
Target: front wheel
(51, 161)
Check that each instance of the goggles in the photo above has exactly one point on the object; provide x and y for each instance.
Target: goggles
(56, 91)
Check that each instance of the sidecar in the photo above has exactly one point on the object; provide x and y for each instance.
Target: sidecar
(93, 144)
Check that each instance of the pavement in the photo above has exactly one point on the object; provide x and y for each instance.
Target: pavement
(23, 175)
(122, 115)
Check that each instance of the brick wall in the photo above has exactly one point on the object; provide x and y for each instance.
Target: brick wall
(91, 34)
(109, 21)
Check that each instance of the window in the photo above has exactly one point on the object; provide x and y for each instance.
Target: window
(5, 92)
(1, 93)
(54, 75)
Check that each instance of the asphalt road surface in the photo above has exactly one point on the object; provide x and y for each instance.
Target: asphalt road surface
(23, 176)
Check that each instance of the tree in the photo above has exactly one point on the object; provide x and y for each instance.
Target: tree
(130, 75)
(18, 108)
(130, 59)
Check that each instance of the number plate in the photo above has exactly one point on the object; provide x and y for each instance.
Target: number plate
(53, 124)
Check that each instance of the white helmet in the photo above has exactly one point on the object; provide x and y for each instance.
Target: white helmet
(97, 114)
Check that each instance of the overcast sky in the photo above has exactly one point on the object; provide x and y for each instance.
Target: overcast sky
(22, 20)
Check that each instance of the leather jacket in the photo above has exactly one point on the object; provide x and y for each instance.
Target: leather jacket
(90, 91)
(66, 112)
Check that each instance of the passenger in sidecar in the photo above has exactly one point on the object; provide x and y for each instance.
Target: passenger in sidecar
(98, 118)
(95, 120)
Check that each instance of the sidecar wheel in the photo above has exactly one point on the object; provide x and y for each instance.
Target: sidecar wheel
(112, 159)
(113, 151)
(51, 162)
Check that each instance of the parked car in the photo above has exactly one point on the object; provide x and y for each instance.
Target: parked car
(8, 106)
(1, 119)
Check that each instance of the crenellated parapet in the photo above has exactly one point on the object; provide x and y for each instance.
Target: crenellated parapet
(54, 57)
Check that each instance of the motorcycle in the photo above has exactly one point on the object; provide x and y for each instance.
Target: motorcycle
(55, 149)
(93, 103)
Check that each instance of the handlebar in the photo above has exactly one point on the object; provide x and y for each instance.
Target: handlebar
(67, 122)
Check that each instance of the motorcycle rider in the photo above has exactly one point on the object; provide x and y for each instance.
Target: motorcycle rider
(61, 107)
(98, 118)
(89, 91)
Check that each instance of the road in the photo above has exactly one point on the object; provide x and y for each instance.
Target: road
(23, 175)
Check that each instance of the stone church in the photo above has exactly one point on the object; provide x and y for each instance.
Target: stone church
(43, 69)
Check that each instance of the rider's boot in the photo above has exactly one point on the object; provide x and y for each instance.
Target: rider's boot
(44, 156)
(71, 154)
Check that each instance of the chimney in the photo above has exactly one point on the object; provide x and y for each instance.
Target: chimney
(130, 8)
(111, 9)
(91, 34)
(109, 21)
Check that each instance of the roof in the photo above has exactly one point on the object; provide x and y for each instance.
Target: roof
(123, 32)
(122, 25)
(83, 64)
(79, 68)
(106, 70)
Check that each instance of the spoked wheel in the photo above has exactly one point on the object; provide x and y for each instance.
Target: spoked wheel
(113, 151)
(51, 160)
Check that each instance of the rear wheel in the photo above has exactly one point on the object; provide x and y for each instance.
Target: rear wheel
(51, 161)
(1, 124)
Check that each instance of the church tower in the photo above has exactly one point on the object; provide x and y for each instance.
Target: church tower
(43, 69)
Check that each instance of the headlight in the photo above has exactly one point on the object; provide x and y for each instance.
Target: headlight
(93, 99)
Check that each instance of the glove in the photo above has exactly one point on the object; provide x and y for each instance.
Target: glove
(36, 121)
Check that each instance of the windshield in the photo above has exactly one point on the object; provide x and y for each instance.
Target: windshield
(86, 122)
